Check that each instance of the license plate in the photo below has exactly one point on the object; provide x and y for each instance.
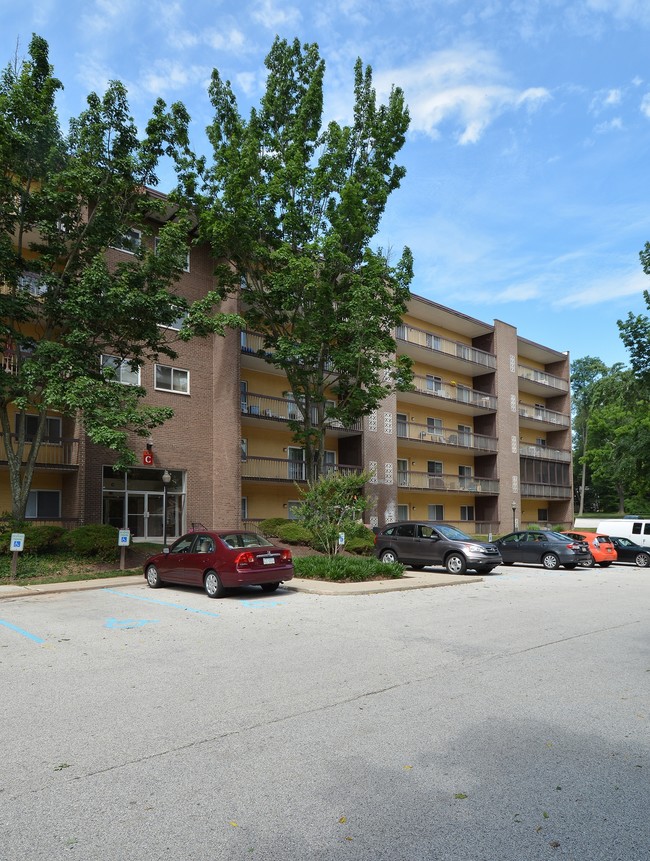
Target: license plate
(268, 560)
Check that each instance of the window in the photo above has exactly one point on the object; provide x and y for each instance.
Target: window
(401, 333)
(402, 512)
(433, 342)
(540, 441)
(296, 463)
(292, 509)
(32, 283)
(434, 384)
(463, 351)
(329, 463)
(402, 472)
(434, 470)
(124, 371)
(243, 394)
(244, 508)
(292, 408)
(172, 380)
(467, 512)
(465, 477)
(130, 241)
(402, 424)
(44, 504)
(51, 431)
(463, 394)
(434, 426)
(436, 512)
(464, 434)
(406, 530)
(244, 449)
(186, 267)
(542, 515)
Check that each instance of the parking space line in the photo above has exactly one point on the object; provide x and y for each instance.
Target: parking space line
(162, 603)
(20, 631)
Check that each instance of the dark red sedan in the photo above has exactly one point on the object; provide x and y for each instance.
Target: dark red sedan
(219, 559)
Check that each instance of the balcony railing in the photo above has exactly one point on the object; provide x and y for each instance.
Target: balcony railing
(438, 344)
(545, 491)
(542, 377)
(283, 409)
(446, 436)
(544, 453)
(64, 453)
(283, 469)
(454, 392)
(529, 411)
(447, 483)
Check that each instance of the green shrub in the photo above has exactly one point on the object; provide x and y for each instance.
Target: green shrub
(270, 526)
(291, 532)
(363, 546)
(346, 568)
(45, 538)
(95, 540)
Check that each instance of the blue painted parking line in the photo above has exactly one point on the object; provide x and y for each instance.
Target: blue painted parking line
(20, 631)
(125, 624)
(260, 605)
(162, 603)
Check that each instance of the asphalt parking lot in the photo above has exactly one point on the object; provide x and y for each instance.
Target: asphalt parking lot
(505, 719)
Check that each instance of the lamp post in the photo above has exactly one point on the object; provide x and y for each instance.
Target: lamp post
(514, 516)
(166, 478)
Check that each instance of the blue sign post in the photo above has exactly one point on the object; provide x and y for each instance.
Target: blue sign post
(16, 545)
(123, 541)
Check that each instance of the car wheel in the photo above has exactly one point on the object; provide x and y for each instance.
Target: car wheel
(417, 567)
(455, 563)
(642, 560)
(550, 561)
(269, 587)
(589, 563)
(153, 577)
(571, 566)
(213, 586)
(388, 556)
(604, 564)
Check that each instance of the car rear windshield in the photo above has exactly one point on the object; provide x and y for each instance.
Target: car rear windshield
(245, 539)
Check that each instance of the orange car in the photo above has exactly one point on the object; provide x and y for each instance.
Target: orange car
(602, 550)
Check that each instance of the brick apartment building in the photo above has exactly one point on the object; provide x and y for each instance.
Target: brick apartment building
(483, 440)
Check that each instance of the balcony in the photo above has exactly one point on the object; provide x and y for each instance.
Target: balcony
(544, 453)
(62, 455)
(537, 417)
(446, 437)
(443, 352)
(545, 491)
(283, 469)
(541, 383)
(267, 409)
(449, 396)
(447, 483)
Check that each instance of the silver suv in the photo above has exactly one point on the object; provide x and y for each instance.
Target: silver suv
(421, 543)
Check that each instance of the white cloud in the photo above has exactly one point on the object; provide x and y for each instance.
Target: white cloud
(600, 290)
(645, 105)
(464, 85)
(106, 15)
(169, 76)
(613, 125)
(274, 16)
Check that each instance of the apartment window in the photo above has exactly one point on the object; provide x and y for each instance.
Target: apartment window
(244, 508)
(464, 477)
(244, 448)
(463, 394)
(243, 395)
(540, 441)
(540, 411)
(402, 424)
(172, 379)
(32, 283)
(434, 426)
(329, 462)
(51, 432)
(464, 435)
(186, 267)
(542, 515)
(296, 463)
(401, 333)
(293, 412)
(293, 506)
(463, 351)
(434, 471)
(434, 384)
(43, 504)
(125, 372)
(402, 472)
(402, 512)
(436, 512)
(130, 241)
(433, 342)
(467, 512)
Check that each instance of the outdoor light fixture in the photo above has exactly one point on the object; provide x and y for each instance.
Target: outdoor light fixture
(514, 515)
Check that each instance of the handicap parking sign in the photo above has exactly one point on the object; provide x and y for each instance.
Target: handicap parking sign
(124, 538)
(17, 542)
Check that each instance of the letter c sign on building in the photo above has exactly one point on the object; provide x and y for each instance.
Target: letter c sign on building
(147, 458)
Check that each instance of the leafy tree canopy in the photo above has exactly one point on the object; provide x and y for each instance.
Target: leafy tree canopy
(291, 208)
(64, 199)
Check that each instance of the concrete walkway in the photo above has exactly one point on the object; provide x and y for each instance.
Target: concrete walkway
(410, 580)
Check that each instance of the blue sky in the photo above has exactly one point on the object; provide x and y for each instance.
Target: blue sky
(525, 198)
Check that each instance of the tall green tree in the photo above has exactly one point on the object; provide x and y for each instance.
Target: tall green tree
(585, 373)
(64, 199)
(291, 208)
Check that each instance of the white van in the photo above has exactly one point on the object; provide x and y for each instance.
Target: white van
(636, 530)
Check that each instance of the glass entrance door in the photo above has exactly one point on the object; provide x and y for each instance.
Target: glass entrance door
(145, 515)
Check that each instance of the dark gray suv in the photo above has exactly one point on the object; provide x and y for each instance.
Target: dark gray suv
(421, 543)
